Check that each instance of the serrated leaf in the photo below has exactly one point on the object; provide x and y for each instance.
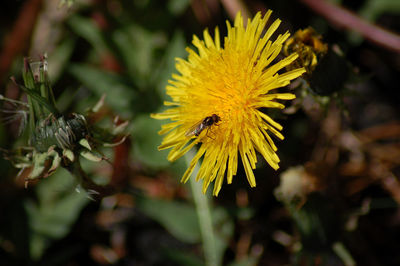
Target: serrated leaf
(119, 95)
(180, 219)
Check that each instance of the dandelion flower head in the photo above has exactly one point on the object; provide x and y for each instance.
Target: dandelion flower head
(232, 82)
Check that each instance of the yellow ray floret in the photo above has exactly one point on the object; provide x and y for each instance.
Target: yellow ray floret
(216, 100)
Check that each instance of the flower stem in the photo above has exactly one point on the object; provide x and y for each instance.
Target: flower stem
(203, 210)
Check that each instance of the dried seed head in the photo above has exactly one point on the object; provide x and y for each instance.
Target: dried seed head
(63, 132)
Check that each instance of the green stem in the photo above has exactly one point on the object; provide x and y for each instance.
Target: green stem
(41, 101)
(31, 116)
(203, 210)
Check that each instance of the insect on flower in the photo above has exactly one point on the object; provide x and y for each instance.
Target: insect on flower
(200, 126)
(236, 78)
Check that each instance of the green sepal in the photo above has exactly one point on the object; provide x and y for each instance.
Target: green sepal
(21, 162)
(119, 129)
(69, 155)
(90, 156)
(85, 143)
(105, 144)
(39, 160)
(41, 100)
(56, 160)
(27, 75)
(98, 105)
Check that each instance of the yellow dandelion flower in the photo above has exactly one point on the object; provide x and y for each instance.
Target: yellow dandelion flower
(216, 101)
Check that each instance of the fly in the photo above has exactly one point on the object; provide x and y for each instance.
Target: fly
(206, 123)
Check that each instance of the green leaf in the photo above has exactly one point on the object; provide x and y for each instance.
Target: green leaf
(223, 229)
(119, 95)
(182, 257)
(246, 261)
(59, 58)
(180, 219)
(87, 29)
(372, 9)
(137, 47)
(343, 253)
(176, 48)
(177, 7)
(57, 208)
(145, 141)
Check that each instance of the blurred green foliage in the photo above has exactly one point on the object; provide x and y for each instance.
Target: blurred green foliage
(126, 50)
(54, 211)
(371, 10)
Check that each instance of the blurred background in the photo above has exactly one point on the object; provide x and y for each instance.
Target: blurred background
(334, 201)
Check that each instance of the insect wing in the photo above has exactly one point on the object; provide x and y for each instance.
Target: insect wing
(195, 129)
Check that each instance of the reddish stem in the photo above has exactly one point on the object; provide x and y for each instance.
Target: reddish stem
(343, 18)
(18, 39)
